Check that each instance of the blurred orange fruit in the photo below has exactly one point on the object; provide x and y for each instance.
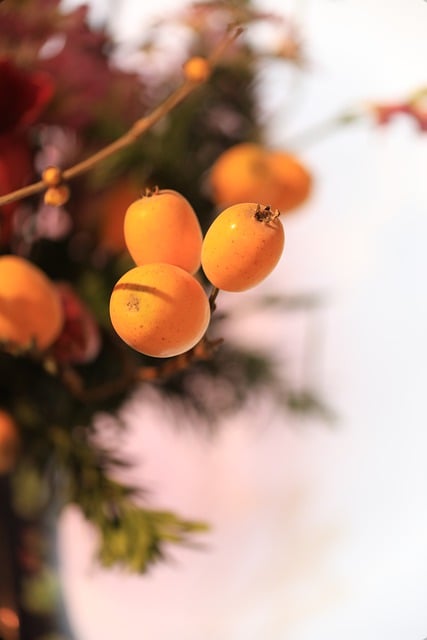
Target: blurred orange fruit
(294, 178)
(111, 213)
(243, 173)
(248, 172)
(30, 308)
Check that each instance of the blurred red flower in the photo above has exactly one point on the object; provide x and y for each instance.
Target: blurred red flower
(417, 111)
(80, 339)
(23, 96)
(15, 172)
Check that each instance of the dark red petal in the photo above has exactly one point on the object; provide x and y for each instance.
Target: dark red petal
(23, 96)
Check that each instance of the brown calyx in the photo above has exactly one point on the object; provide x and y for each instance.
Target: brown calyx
(151, 191)
(266, 214)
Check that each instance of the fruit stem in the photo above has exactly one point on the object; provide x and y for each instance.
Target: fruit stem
(266, 214)
(213, 297)
(151, 191)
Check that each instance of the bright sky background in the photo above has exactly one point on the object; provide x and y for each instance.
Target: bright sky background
(318, 532)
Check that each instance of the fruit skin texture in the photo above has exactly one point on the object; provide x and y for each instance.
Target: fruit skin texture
(248, 172)
(163, 227)
(9, 442)
(240, 250)
(30, 308)
(159, 309)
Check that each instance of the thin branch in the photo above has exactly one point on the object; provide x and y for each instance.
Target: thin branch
(212, 298)
(138, 128)
(133, 374)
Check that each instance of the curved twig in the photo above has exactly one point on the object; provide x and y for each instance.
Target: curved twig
(137, 129)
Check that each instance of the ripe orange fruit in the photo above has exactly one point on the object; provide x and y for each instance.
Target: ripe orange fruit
(9, 442)
(30, 308)
(243, 173)
(163, 227)
(248, 172)
(242, 246)
(159, 309)
(295, 180)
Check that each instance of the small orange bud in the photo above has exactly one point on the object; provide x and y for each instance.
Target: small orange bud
(57, 196)
(197, 69)
(52, 176)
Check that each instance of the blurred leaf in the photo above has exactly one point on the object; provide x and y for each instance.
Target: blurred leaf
(40, 592)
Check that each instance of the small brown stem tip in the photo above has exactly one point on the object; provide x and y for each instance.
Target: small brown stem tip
(266, 214)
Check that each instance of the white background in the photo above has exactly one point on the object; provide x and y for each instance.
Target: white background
(318, 532)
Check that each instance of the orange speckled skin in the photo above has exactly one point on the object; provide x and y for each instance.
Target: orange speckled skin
(163, 227)
(239, 251)
(159, 309)
(30, 307)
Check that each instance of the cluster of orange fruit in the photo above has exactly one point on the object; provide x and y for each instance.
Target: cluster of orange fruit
(159, 307)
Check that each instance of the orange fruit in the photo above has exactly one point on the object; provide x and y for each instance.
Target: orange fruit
(111, 210)
(30, 308)
(163, 227)
(294, 178)
(159, 309)
(243, 173)
(9, 442)
(248, 172)
(242, 246)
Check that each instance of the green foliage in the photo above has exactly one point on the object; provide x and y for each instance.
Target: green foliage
(134, 538)
(40, 592)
